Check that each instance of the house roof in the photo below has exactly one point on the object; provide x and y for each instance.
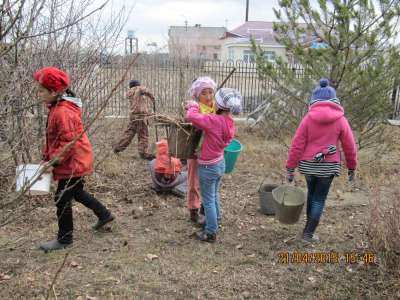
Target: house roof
(198, 30)
(259, 30)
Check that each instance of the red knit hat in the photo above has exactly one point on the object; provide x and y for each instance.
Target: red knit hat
(52, 79)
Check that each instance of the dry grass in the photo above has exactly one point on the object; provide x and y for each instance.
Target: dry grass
(384, 226)
(244, 263)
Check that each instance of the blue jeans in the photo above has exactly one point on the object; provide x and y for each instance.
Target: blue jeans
(318, 189)
(209, 179)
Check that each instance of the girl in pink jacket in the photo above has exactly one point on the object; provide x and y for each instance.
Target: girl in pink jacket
(202, 90)
(218, 130)
(315, 151)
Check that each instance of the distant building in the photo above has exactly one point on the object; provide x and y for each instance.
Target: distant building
(195, 41)
(237, 42)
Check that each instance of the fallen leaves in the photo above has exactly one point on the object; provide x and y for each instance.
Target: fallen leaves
(151, 257)
(290, 239)
(117, 281)
(4, 277)
(138, 212)
(246, 294)
(312, 279)
(73, 264)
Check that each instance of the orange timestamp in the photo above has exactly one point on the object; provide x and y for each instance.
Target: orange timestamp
(367, 258)
(331, 257)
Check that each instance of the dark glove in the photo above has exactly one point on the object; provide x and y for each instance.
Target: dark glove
(289, 175)
(351, 174)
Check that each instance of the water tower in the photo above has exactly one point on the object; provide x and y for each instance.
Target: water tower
(130, 38)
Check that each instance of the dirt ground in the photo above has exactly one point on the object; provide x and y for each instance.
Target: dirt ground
(147, 253)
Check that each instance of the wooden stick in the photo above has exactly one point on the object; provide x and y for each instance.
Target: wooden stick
(54, 293)
(226, 79)
(55, 276)
(155, 112)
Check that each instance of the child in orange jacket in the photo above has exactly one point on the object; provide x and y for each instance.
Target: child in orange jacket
(68, 146)
(166, 171)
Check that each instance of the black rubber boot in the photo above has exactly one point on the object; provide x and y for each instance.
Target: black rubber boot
(309, 231)
(53, 245)
(206, 237)
(194, 215)
(101, 222)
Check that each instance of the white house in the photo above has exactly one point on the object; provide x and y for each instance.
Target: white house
(237, 42)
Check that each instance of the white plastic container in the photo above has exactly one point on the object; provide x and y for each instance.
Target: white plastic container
(29, 173)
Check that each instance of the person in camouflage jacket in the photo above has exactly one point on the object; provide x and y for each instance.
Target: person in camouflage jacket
(139, 110)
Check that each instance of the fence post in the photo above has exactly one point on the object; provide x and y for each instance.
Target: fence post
(181, 91)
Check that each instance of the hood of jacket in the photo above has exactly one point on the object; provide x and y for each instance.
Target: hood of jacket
(325, 112)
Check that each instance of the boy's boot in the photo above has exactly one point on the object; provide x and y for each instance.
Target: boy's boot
(103, 221)
(53, 245)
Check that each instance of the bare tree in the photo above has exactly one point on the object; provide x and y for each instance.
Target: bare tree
(70, 34)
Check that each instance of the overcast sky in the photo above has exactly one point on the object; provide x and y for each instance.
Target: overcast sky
(151, 18)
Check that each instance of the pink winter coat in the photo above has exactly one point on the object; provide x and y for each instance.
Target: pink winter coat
(323, 125)
(218, 133)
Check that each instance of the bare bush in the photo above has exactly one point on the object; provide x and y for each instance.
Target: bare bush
(75, 36)
(384, 226)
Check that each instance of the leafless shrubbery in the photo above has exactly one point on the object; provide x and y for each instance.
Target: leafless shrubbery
(76, 36)
(384, 226)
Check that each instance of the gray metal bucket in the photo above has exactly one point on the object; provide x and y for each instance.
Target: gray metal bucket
(267, 206)
(289, 202)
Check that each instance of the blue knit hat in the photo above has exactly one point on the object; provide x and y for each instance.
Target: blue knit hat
(134, 83)
(324, 93)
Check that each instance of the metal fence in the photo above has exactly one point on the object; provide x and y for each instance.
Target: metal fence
(169, 80)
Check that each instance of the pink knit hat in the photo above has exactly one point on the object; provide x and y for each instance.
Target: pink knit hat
(200, 84)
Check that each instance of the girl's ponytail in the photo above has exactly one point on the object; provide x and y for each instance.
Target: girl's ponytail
(70, 93)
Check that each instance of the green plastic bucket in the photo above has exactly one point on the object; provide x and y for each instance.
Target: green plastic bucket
(231, 154)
